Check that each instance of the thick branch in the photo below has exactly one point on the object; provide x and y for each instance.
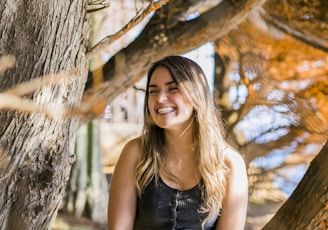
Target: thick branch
(131, 63)
(107, 41)
(308, 38)
(307, 206)
(254, 149)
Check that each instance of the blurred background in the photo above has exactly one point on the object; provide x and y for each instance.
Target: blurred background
(269, 76)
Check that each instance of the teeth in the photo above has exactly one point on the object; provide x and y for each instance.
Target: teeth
(165, 110)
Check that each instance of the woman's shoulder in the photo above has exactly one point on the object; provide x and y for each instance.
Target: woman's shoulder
(131, 149)
(233, 158)
(133, 145)
(237, 174)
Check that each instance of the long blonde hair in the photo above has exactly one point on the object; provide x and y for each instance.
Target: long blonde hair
(208, 134)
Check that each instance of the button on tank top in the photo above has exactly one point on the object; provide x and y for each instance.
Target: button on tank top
(163, 207)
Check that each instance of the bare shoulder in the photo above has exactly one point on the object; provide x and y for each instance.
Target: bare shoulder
(234, 208)
(234, 160)
(133, 144)
(237, 173)
(132, 149)
(237, 176)
(125, 166)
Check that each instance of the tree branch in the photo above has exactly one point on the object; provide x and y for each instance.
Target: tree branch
(107, 41)
(316, 42)
(307, 206)
(130, 64)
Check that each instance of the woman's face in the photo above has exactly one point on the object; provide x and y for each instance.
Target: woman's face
(168, 107)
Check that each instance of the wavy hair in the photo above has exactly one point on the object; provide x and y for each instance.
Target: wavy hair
(208, 134)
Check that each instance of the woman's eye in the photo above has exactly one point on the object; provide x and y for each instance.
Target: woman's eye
(150, 92)
(173, 89)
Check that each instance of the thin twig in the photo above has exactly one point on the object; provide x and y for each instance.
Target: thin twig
(14, 102)
(96, 6)
(107, 41)
(37, 83)
(12, 99)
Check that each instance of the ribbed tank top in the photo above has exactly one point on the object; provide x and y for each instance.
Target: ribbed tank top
(163, 207)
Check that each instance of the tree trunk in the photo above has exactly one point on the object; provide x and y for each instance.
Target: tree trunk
(87, 190)
(37, 152)
(307, 207)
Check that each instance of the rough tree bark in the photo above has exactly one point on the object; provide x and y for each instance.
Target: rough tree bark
(87, 189)
(37, 152)
(307, 207)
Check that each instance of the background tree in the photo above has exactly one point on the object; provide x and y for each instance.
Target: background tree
(280, 69)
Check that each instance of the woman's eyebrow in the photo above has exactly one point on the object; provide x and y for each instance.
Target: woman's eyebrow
(171, 82)
(167, 83)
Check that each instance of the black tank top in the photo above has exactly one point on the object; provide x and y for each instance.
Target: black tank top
(164, 208)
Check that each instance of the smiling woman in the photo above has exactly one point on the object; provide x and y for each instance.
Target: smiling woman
(180, 173)
(168, 107)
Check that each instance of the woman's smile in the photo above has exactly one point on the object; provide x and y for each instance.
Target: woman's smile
(165, 110)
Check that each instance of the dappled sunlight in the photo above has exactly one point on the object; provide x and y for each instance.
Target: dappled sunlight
(266, 63)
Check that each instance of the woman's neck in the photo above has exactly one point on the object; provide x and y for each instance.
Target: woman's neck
(180, 143)
(180, 169)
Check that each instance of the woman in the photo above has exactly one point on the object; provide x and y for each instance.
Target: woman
(180, 173)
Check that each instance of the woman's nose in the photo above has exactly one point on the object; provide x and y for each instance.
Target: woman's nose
(161, 96)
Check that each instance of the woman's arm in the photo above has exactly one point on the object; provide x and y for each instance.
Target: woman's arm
(234, 210)
(123, 192)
